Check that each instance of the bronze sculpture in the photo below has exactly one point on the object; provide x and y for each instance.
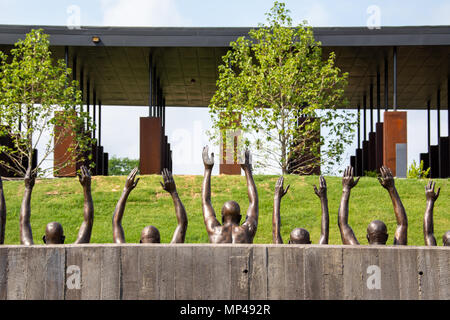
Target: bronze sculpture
(428, 224)
(26, 235)
(376, 230)
(299, 235)
(150, 234)
(2, 213)
(230, 231)
(54, 233)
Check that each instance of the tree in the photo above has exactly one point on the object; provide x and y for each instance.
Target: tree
(35, 97)
(275, 85)
(121, 166)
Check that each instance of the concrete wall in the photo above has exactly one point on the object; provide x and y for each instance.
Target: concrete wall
(203, 271)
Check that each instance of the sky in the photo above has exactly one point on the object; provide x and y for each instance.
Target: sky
(186, 127)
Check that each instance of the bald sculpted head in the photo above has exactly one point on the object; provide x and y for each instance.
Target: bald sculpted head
(54, 233)
(377, 232)
(150, 234)
(231, 212)
(299, 236)
(446, 239)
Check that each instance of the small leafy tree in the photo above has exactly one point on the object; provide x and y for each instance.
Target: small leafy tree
(121, 166)
(276, 85)
(417, 172)
(35, 97)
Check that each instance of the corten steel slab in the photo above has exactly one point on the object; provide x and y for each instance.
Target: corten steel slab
(61, 154)
(150, 145)
(229, 156)
(444, 160)
(379, 145)
(233, 169)
(394, 132)
(372, 151)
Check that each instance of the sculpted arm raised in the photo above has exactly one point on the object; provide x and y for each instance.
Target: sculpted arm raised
(84, 235)
(387, 181)
(322, 194)
(347, 234)
(251, 221)
(276, 219)
(130, 184)
(26, 235)
(169, 185)
(428, 224)
(209, 216)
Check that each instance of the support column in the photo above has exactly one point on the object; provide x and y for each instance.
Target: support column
(379, 127)
(150, 145)
(365, 143)
(372, 136)
(358, 156)
(229, 141)
(395, 80)
(395, 142)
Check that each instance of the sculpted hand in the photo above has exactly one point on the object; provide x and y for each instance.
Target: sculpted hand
(279, 190)
(322, 191)
(29, 179)
(347, 179)
(169, 183)
(208, 161)
(429, 191)
(130, 184)
(386, 179)
(248, 162)
(84, 177)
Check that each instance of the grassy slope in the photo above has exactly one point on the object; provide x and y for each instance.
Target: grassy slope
(62, 200)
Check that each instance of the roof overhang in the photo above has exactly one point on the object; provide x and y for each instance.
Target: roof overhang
(118, 66)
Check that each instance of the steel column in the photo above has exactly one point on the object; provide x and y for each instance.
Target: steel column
(395, 80)
(150, 85)
(88, 108)
(99, 122)
(359, 125)
(378, 96)
(364, 116)
(371, 106)
(438, 110)
(94, 103)
(386, 85)
(428, 125)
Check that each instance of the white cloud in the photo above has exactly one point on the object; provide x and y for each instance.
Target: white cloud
(141, 13)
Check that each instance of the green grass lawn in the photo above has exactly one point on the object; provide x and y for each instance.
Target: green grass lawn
(62, 200)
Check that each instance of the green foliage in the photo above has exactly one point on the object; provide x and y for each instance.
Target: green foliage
(416, 171)
(121, 166)
(269, 80)
(372, 174)
(62, 200)
(35, 97)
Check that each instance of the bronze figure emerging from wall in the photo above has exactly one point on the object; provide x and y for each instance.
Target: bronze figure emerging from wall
(150, 234)
(299, 235)
(377, 230)
(428, 224)
(230, 231)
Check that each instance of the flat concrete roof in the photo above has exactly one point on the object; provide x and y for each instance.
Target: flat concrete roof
(118, 65)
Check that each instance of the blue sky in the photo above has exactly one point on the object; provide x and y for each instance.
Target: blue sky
(186, 127)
